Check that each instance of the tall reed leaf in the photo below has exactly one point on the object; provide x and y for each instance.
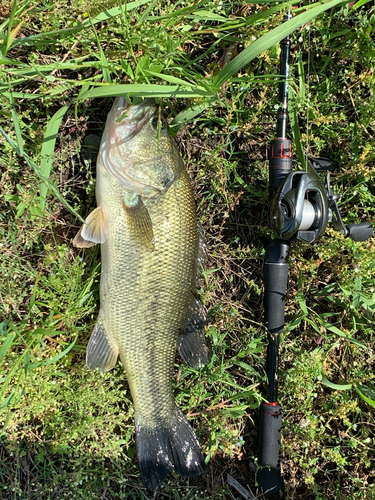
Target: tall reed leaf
(48, 148)
(272, 38)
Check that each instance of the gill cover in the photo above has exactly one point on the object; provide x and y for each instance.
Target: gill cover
(135, 151)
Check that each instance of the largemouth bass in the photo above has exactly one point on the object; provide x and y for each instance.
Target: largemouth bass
(146, 224)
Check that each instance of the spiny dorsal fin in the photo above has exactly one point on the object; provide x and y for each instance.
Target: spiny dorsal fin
(93, 231)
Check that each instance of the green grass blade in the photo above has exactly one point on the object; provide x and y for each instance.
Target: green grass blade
(21, 95)
(340, 333)
(272, 38)
(293, 117)
(189, 113)
(366, 393)
(9, 38)
(48, 148)
(103, 59)
(336, 387)
(115, 11)
(360, 3)
(146, 12)
(6, 344)
(55, 358)
(169, 78)
(16, 124)
(144, 90)
(184, 11)
(249, 20)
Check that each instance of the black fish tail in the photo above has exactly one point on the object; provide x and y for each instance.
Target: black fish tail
(165, 447)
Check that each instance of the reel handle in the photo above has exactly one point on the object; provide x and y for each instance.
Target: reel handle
(359, 232)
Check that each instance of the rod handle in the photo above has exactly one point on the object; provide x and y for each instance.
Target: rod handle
(269, 475)
(276, 269)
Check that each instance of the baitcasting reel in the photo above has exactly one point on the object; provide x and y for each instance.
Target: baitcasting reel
(303, 205)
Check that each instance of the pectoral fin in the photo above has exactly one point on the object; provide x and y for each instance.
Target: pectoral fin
(101, 353)
(139, 223)
(192, 344)
(93, 231)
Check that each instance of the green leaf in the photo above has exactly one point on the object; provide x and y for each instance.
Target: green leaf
(293, 324)
(300, 296)
(360, 3)
(55, 358)
(168, 78)
(6, 344)
(293, 117)
(16, 123)
(48, 148)
(127, 68)
(366, 393)
(7, 400)
(272, 38)
(205, 15)
(103, 60)
(9, 37)
(339, 332)
(336, 387)
(191, 112)
(236, 411)
(3, 329)
(20, 95)
(144, 90)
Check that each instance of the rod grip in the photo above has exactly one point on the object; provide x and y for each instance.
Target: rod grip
(269, 476)
(276, 269)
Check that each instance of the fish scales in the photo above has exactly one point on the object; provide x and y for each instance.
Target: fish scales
(150, 291)
(147, 226)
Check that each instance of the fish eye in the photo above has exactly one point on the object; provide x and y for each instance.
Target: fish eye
(155, 121)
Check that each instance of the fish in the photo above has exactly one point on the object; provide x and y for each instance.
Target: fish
(146, 224)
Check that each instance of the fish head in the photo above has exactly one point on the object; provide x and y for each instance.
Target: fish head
(137, 150)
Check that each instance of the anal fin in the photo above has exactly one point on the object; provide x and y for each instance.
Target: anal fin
(191, 343)
(101, 353)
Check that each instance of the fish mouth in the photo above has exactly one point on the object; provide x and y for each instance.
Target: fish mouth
(126, 120)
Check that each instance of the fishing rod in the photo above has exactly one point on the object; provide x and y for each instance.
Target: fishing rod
(301, 206)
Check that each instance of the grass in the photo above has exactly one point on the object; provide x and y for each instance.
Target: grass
(67, 432)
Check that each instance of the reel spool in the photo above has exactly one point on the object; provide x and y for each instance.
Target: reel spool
(299, 208)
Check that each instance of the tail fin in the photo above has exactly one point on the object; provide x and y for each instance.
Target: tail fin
(163, 448)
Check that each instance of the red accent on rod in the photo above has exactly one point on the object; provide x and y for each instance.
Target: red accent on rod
(289, 155)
